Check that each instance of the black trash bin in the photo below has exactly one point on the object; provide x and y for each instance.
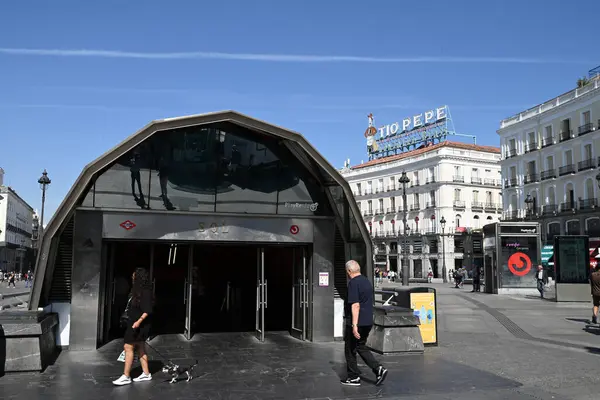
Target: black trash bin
(423, 302)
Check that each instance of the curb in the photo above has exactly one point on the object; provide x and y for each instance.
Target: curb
(13, 294)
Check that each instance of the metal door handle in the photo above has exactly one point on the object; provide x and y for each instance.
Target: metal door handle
(266, 294)
(258, 299)
(185, 292)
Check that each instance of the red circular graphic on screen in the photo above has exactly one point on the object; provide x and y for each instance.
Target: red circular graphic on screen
(294, 229)
(519, 264)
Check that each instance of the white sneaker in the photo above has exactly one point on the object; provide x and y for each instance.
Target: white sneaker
(123, 380)
(143, 377)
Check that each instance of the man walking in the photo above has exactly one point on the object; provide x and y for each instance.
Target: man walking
(359, 321)
(595, 283)
(540, 277)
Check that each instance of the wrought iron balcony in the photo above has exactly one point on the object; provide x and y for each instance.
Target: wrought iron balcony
(458, 178)
(512, 182)
(547, 141)
(415, 207)
(586, 164)
(379, 190)
(475, 180)
(532, 146)
(390, 210)
(459, 204)
(511, 153)
(391, 188)
(429, 180)
(357, 193)
(379, 211)
(567, 206)
(549, 209)
(476, 205)
(548, 174)
(566, 170)
(532, 178)
(368, 213)
(585, 128)
(491, 182)
(430, 204)
(491, 206)
(588, 204)
(368, 191)
(565, 135)
(414, 183)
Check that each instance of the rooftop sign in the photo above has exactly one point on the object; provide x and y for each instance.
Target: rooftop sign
(410, 133)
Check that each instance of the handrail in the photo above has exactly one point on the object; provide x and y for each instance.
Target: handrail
(388, 301)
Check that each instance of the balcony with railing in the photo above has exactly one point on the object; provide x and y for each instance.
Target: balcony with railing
(414, 183)
(588, 204)
(379, 211)
(585, 128)
(566, 170)
(476, 206)
(476, 180)
(415, 207)
(459, 204)
(390, 188)
(491, 206)
(429, 180)
(430, 204)
(547, 141)
(532, 146)
(586, 164)
(567, 206)
(491, 182)
(379, 190)
(357, 193)
(431, 231)
(390, 210)
(458, 178)
(511, 153)
(565, 135)
(368, 192)
(531, 178)
(548, 174)
(512, 182)
(368, 213)
(549, 209)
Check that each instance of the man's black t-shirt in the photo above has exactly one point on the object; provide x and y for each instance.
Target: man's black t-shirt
(360, 291)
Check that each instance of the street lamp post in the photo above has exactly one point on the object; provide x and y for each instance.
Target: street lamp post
(404, 181)
(44, 182)
(444, 272)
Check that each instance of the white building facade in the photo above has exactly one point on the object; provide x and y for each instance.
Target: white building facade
(551, 154)
(16, 225)
(458, 181)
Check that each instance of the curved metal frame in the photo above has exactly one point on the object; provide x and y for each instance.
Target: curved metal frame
(43, 275)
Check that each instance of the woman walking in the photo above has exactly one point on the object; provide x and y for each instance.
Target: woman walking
(139, 309)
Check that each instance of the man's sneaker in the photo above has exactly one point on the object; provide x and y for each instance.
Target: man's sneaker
(381, 374)
(351, 382)
(123, 380)
(143, 377)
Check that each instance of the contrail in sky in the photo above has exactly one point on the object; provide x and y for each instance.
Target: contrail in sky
(289, 58)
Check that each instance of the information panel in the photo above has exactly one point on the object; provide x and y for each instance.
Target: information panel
(423, 305)
(571, 259)
(518, 261)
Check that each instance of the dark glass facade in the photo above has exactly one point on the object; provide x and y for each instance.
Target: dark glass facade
(220, 168)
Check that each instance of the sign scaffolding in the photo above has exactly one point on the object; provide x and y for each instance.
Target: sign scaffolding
(421, 130)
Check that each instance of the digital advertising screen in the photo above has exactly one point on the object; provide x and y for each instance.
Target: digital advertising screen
(571, 259)
(518, 262)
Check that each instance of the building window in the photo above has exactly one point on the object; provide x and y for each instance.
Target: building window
(416, 201)
(476, 223)
(358, 189)
(370, 206)
(488, 197)
(358, 203)
(586, 118)
(475, 196)
(392, 204)
(380, 205)
(457, 195)
(550, 163)
(587, 152)
(457, 220)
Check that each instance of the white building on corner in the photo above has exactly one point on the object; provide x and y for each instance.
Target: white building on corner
(457, 181)
(16, 225)
(551, 153)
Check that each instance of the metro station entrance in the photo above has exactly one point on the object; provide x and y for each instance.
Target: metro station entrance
(203, 288)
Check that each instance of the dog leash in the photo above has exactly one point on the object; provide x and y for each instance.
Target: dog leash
(160, 354)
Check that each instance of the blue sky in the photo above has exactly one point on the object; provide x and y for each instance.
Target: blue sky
(78, 77)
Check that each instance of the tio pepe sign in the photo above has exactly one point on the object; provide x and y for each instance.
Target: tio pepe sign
(414, 122)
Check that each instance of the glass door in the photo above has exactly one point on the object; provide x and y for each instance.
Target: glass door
(188, 295)
(261, 294)
(299, 294)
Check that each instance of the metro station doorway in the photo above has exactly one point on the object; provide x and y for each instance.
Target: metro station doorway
(204, 288)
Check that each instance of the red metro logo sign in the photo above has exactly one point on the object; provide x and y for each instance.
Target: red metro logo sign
(519, 264)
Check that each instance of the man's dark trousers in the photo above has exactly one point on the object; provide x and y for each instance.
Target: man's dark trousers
(354, 345)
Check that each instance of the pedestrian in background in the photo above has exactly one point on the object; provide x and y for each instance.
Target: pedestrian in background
(541, 279)
(595, 284)
(359, 322)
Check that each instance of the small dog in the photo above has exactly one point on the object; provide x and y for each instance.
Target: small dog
(176, 371)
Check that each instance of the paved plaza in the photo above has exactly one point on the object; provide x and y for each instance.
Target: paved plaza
(491, 347)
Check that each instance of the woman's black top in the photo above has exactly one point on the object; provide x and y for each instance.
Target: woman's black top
(145, 306)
